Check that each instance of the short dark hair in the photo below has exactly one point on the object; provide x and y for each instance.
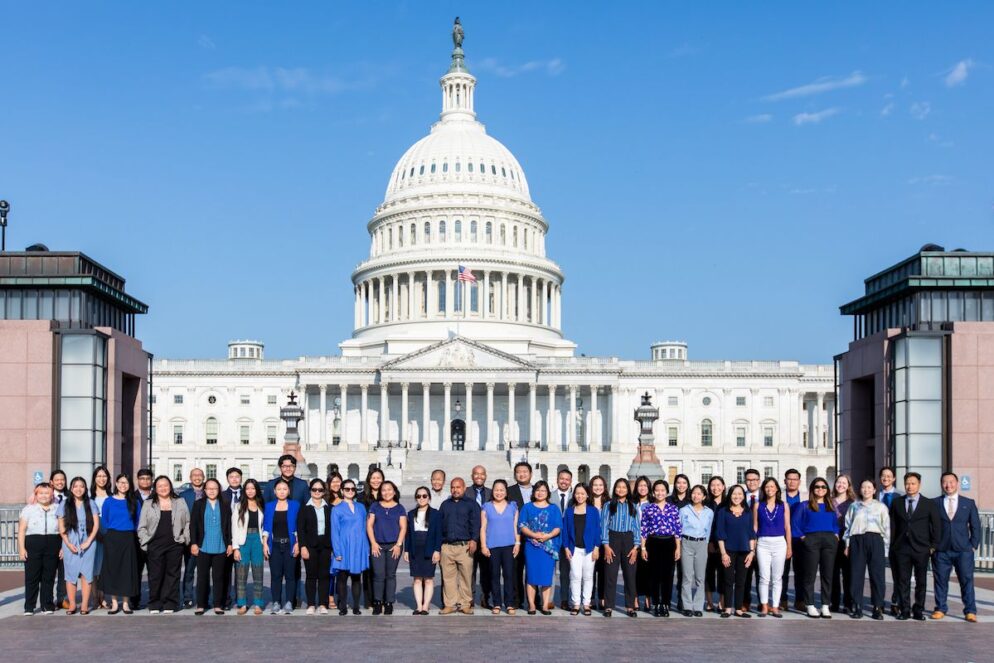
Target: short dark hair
(233, 470)
(885, 468)
(438, 471)
(542, 483)
(145, 472)
(565, 470)
(949, 474)
(792, 470)
(908, 475)
(753, 470)
(523, 463)
(55, 473)
(285, 457)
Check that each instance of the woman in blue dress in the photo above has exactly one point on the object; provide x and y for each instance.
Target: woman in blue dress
(540, 524)
(99, 491)
(350, 547)
(78, 526)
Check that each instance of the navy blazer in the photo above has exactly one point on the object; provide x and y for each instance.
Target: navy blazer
(921, 531)
(434, 541)
(300, 492)
(962, 533)
(591, 530)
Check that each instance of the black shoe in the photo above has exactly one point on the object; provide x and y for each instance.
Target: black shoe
(903, 617)
(633, 613)
(343, 611)
(657, 611)
(918, 616)
(356, 611)
(564, 606)
(688, 613)
(893, 610)
(388, 609)
(698, 613)
(187, 604)
(377, 608)
(665, 610)
(856, 614)
(878, 614)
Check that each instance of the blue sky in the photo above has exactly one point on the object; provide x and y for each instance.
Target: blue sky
(726, 174)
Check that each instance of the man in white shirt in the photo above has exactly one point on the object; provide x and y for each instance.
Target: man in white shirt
(438, 492)
(561, 497)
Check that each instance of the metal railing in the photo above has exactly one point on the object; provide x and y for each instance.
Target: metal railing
(984, 560)
(9, 555)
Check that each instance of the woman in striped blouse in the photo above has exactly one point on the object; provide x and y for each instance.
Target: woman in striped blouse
(867, 538)
(622, 538)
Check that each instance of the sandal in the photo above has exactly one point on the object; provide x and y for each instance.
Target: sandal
(511, 611)
(495, 610)
(84, 612)
(574, 612)
(632, 613)
(531, 612)
(586, 611)
(72, 611)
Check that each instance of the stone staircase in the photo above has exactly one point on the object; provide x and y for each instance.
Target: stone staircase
(420, 464)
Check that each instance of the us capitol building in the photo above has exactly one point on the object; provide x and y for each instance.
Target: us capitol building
(448, 371)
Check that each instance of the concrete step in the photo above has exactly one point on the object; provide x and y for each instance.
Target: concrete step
(420, 465)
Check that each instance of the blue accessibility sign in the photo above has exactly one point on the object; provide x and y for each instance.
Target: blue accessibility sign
(38, 477)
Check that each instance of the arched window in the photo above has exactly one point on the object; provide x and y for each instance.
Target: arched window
(583, 474)
(389, 238)
(512, 174)
(458, 167)
(427, 232)
(403, 174)
(445, 166)
(470, 165)
(353, 471)
(490, 233)
(605, 472)
(525, 232)
(421, 171)
(502, 171)
(483, 169)
(707, 433)
(412, 171)
(414, 234)
(441, 232)
(514, 237)
(458, 230)
(493, 169)
(472, 231)
(400, 235)
(210, 430)
(503, 235)
(433, 168)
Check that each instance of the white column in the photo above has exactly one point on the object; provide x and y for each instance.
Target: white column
(572, 419)
(410, 296)
(594, 427)
(465, 305)
(534, 432)
(550, 427)
(511, 435)
(364, 417)
(343, 413)
(431, 306)
(818, 423)
(811, 422)
(305, 437)
(323, 434)
(536, 319)
(384, 411)
(383, 299)
(469, 417)
(613, 445)
(519, 313)
(449, 299)
(446, 424)
(489, 444)
(404, 424)
(484, 300)
(503, 296)
(830, 404)
(355, 308)
(425, 414)
(395, 299)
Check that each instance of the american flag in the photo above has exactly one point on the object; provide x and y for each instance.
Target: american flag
(465, 274)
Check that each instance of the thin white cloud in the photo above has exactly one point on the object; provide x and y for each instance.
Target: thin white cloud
(920, 110)
(551, 67)
(206, 42)
(905, 82)
(815, 118)
(820, 86)
(932, 180)
(939, 140)
(280, 79)
(887, 110)
(957, 75)
(762, 118)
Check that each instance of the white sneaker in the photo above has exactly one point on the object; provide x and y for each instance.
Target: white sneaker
(288, 608)
(310, 610)
(154, 612)
(825, 612)
(48, 611)
(813, 612)
(323, 610)
(274, 609)
(28, 613)
(168, 612)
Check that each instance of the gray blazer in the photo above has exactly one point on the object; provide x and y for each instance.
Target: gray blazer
(148, 521)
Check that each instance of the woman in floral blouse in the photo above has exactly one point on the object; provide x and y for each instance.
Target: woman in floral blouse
(661, 530)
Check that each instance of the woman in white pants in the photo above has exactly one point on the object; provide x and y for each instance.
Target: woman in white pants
(581, 543)
(696, 520)
(771, 521)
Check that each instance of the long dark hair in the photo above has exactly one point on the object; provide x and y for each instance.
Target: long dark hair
(172, 492)
(327, 486)
(428, 505)
(93, 481)
(542, 483)
(586, 490)
(368, 495)
(615, 501)
(709, 498)
(243, 504)
(604, 497)
(762, 491)
(648, 489)
(71, 519)
(677, 478)
(129, 494)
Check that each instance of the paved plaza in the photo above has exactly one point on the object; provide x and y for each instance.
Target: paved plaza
(483, 636)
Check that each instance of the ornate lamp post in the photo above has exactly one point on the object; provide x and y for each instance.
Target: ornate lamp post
(4, 209)
(291, 413)
(645, 462)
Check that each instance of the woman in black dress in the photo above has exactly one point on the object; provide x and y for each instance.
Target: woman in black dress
(643, 575)
(423, 548)
(713, 574)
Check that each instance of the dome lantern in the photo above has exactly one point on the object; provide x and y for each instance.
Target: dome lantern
(458, 85)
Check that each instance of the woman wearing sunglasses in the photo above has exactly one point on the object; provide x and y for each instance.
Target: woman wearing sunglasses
(423, 548)
(819, 532)
(350, 547)
(314, 533)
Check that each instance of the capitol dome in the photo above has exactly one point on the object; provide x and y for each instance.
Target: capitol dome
(457, 247)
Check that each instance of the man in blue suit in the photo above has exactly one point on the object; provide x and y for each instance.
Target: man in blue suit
(959, 539)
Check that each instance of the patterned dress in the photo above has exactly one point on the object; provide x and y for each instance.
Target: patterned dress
(540, 558)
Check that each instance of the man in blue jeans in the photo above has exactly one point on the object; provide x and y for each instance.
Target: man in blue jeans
(191, 495)
(960, 537)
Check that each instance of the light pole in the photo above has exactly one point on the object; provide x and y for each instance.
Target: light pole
(645, 462)
(4, 209)
(291, 413)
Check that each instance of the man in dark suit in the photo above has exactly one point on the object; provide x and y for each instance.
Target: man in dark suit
(191, 495)
(143, 493)
(561, 497)
(915, 525)
(887, 493)
(232, 495)
(479, 493)
(960, 537)
(520, 493)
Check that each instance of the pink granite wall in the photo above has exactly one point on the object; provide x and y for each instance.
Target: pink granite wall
(126, 359)
(972, 408)
(26, 400)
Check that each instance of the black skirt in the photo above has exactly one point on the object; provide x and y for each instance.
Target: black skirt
(119, 575)
(420, 566)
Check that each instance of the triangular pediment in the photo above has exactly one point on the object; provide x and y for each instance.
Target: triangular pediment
(457, 354)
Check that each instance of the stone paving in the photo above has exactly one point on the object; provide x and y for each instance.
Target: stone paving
(483, 636)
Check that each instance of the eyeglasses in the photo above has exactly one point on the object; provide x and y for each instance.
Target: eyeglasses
(317, 490)
(348, 489)
(821, 487)
(421, 497)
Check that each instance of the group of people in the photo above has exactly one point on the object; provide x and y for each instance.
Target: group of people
(708, 543)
